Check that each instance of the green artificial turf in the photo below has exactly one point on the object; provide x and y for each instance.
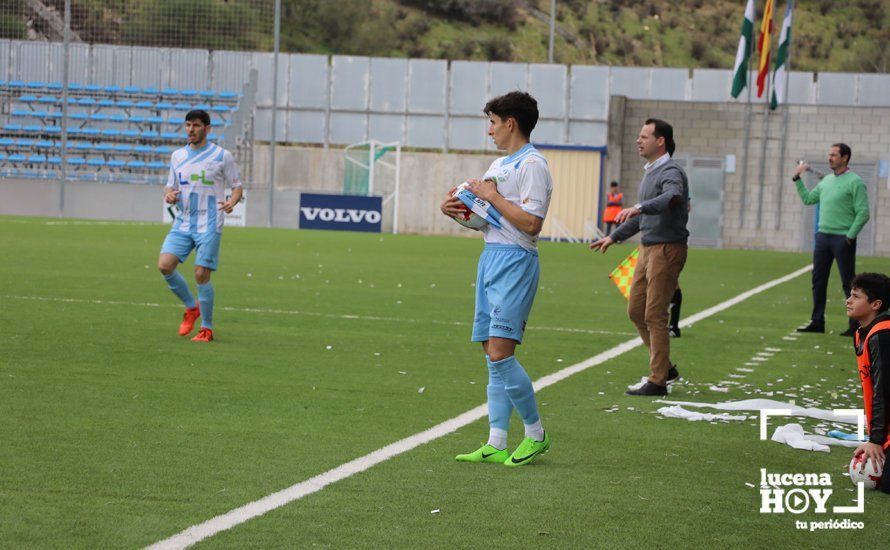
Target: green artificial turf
(116, 432)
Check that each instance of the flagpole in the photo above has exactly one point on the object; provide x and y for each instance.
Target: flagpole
(765, 136)
(743, 198)
(785, 116)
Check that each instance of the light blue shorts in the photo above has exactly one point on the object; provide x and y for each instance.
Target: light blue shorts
(181, 244)
(506, 282)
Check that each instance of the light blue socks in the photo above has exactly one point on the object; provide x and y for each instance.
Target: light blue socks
(177, 284)
(518, 387)
(205, 297)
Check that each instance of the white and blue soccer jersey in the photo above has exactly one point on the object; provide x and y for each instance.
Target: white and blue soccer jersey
(523, 178)
(201, 177)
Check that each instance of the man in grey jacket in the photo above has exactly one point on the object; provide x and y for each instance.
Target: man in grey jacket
(660, 215)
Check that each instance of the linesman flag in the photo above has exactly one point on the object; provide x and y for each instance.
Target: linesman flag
(623, 275)
(743, 54)
(780, 93)
(766, 31)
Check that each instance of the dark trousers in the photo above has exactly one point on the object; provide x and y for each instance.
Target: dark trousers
(830, 248)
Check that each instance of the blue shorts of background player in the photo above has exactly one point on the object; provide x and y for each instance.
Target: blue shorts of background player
(181, 244)
(506, 282)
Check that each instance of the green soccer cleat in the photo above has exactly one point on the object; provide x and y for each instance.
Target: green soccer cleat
(528, 450)
(485, 453)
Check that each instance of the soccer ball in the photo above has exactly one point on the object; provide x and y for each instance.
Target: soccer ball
(468, 218)
(866, 472)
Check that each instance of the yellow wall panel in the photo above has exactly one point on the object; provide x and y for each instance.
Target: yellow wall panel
(576, 190)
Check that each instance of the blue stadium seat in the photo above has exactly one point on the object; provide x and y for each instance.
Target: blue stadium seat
(39, 114)
(211, 136)
(132, 90)
(104, 147)
(170, 91)
(188, 93)
(72, 100)
(2, 156)
(32, 128)
(220, 109)
(170, 135)
(26, 142)
(55, 161)
(138, 119)
(86, 101)
(125, 104)
(182, 107)
(82, 146)
(48, 99)
(45, 144)
(112, 89)
(136, 164)
(143, 149)
(144, 104)
(99, 117)
(16, 84)
(96, 162)
(110, 133)
(115, 163)
(151, 91)
(157, 165)
(122, 148)
(55, 86)
(75, 87)
(54, 129)
(163, 105)
(202, 106)
(78, 116)
(35, 85)
(228, 95)
(21, 112)
(163, 149)
(73, 130)
(148, 134)
(26, 98)
(130, 134)
(37, 159)
(154, 120)
(90, 132)
(118, 118)
(92, 88)
(106, 102)
(17, 157)
(76, 161)
(6, 142)
(54, 114)
(12, 127)
(207, 94)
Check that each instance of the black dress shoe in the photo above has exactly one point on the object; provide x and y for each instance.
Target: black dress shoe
(673, 374)
(674, 331)
(849, 333)
(813, 327)
(648, 389)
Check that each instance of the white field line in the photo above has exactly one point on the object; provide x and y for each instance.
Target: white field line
(209, 528)
(297, 312)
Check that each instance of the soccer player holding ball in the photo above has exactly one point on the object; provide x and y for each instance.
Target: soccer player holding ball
(868, 303)
(198, 176)
(519, 187)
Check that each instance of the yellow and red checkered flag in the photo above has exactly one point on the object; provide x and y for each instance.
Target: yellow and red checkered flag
(624, 273)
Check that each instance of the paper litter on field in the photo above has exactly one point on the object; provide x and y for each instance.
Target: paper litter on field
(693, 416)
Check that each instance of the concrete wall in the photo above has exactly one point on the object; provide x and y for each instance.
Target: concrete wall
(717, 129)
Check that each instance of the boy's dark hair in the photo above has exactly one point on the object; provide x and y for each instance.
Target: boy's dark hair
(198, 114)
(876, 286)
(614, 184)
(665, 130)
(844, 150)
(520, 106)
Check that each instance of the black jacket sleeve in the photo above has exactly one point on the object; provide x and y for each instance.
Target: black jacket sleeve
(879, 351)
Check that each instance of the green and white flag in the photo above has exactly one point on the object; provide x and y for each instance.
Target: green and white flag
(743, 54)
(780, 75)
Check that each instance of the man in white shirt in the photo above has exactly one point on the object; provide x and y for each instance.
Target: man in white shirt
(519, 187)
(198, 176)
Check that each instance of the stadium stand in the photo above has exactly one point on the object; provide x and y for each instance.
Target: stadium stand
(113, 133)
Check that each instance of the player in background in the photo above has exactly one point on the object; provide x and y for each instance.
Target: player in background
(868, 304)
(199, 173)
(614, 204)
(519, 187)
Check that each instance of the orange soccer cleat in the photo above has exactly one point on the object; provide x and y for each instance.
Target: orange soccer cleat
(188, 321)
(204, 335)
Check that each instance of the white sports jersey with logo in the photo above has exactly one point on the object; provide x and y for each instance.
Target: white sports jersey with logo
(201, 176)
(523, 178)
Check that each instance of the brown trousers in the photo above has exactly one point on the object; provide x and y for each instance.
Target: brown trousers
(655, 279)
